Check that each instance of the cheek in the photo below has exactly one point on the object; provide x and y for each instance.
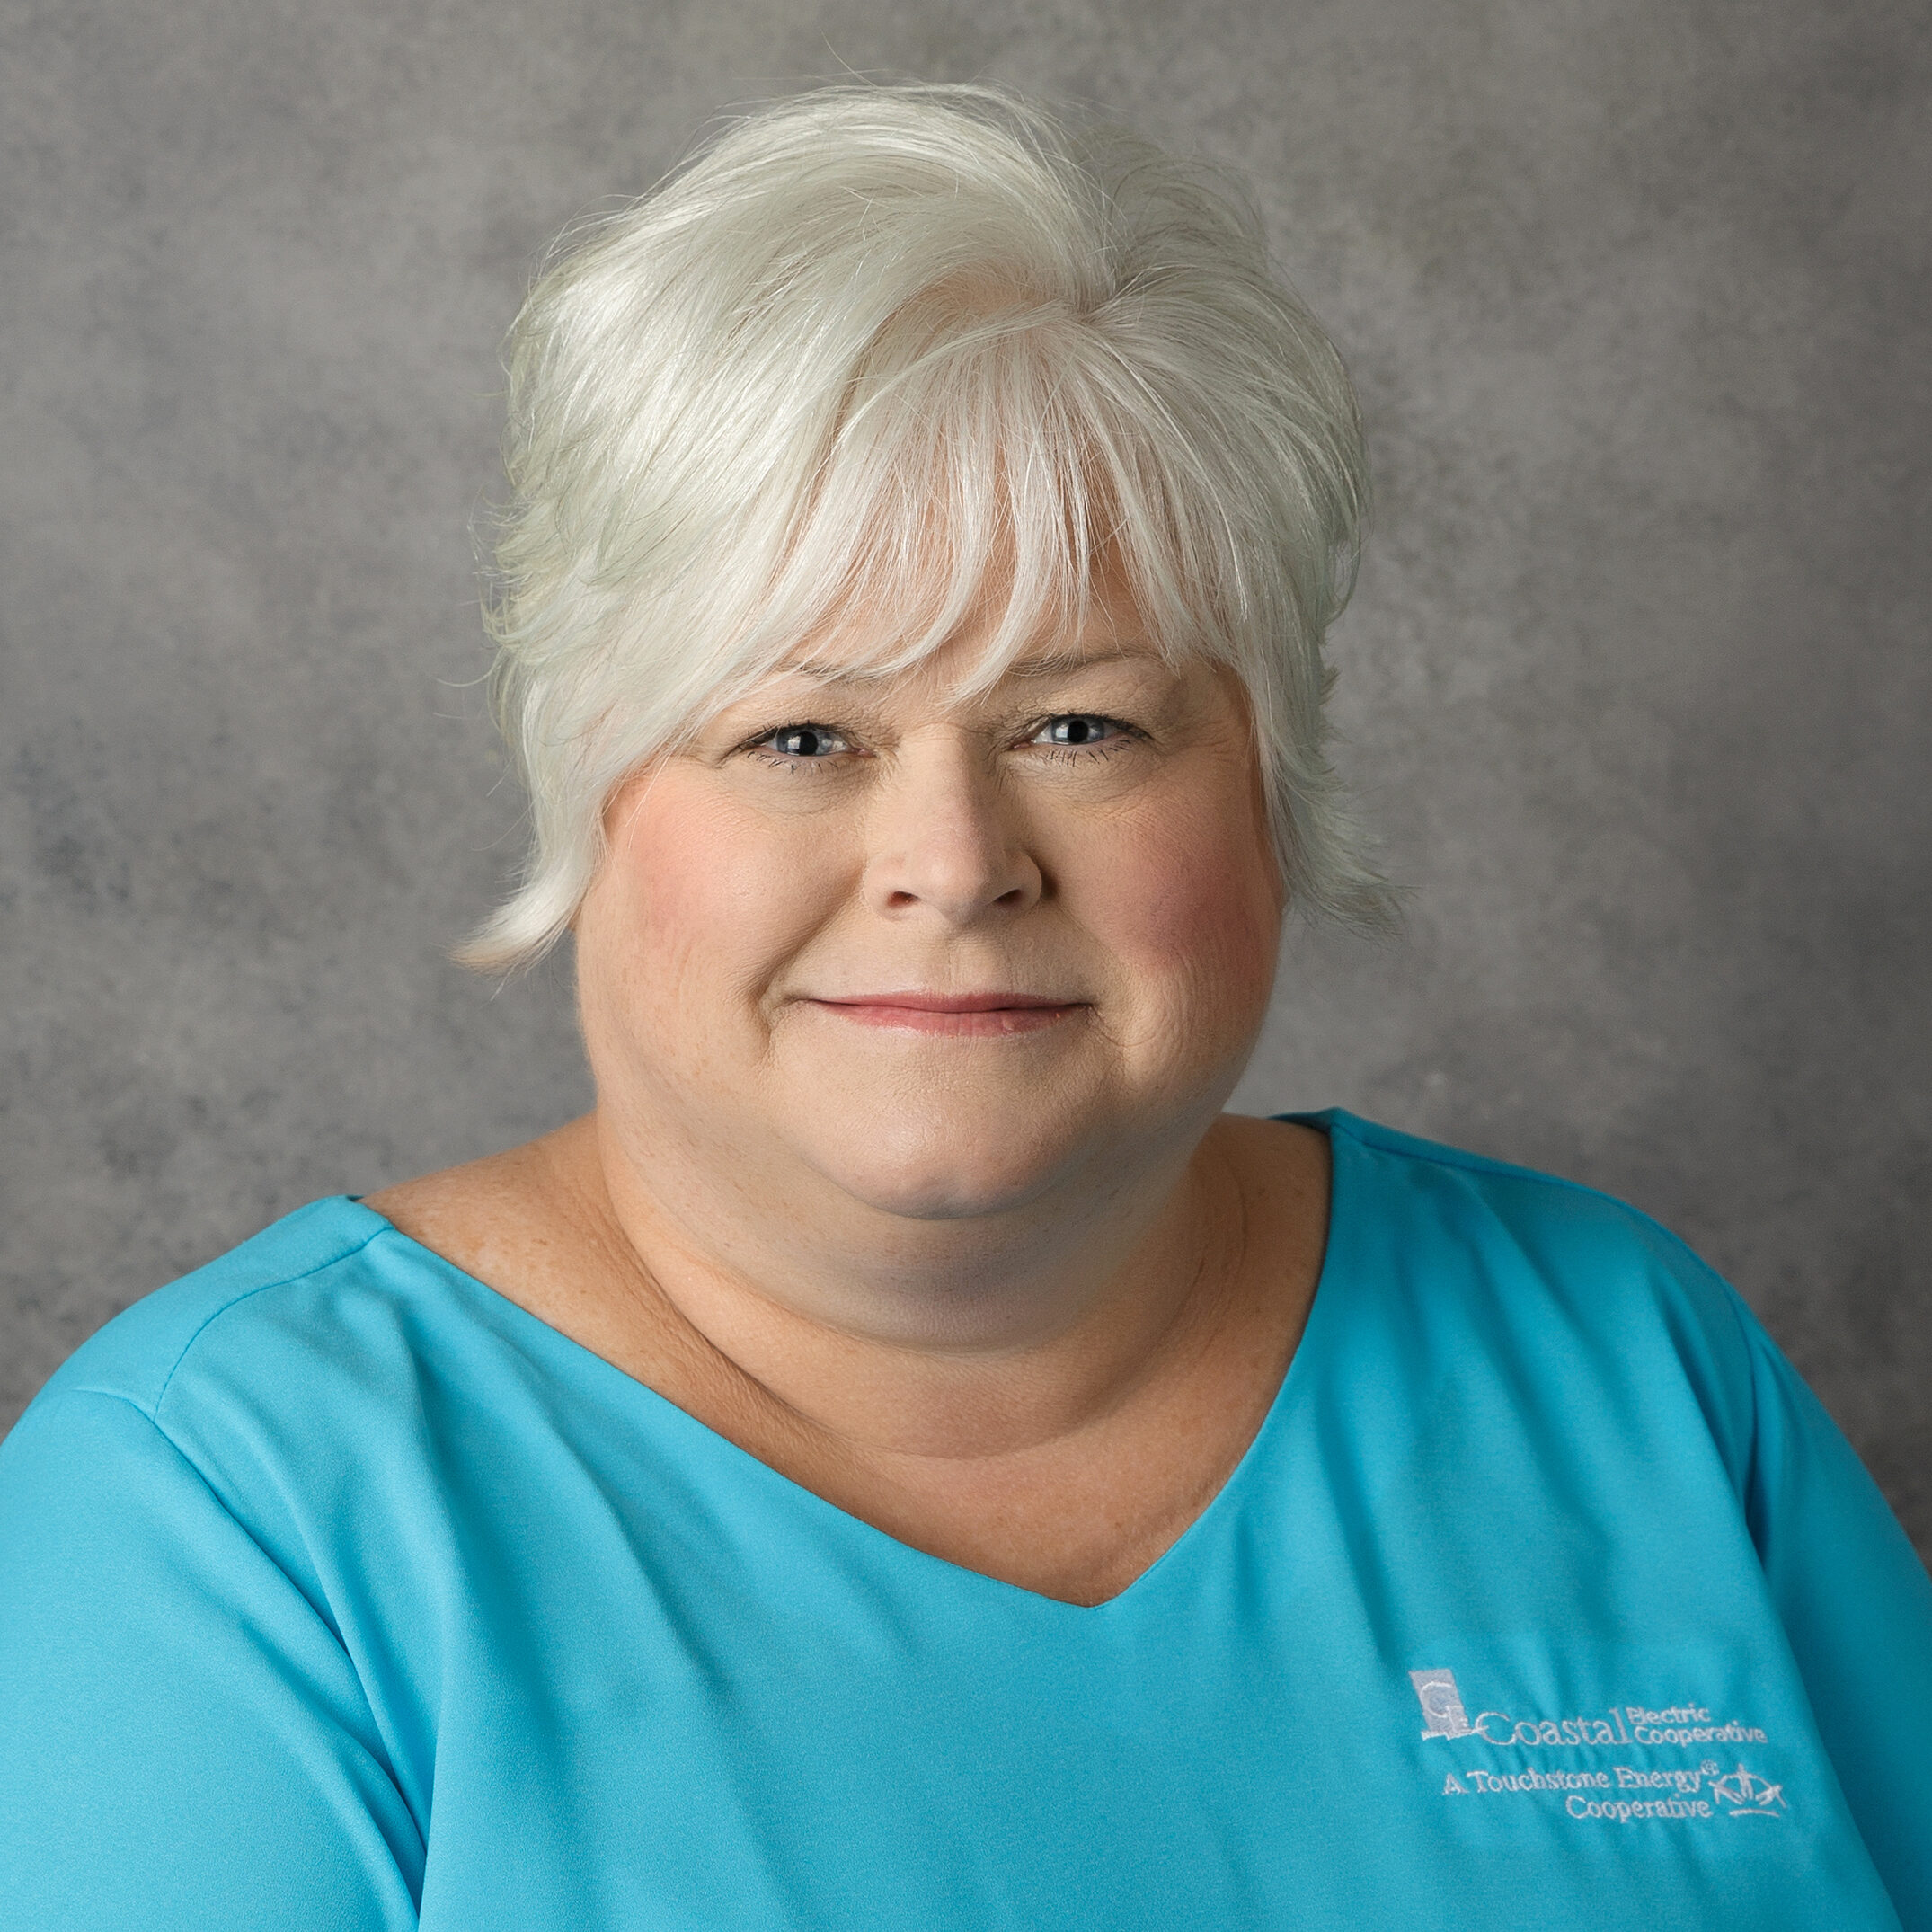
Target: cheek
(693, 912)
(1190, 906)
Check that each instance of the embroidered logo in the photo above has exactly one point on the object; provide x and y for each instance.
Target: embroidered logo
(1744, 1794)
(1441, 1703)
(1563, 1770)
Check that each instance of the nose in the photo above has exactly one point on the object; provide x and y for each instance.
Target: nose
(943, 837)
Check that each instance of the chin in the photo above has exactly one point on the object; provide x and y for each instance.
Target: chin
(943, 1162)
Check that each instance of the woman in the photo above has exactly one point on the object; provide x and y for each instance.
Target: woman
(908, 1459)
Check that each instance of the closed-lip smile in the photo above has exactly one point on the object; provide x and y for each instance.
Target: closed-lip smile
(990, 1016)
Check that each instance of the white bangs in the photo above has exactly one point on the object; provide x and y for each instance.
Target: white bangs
(883, 369)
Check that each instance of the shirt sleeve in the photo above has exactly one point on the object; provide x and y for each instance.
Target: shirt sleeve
(1856, 1606)
(183, 1740)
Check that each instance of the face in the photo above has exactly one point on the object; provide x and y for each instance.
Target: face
(939, 954)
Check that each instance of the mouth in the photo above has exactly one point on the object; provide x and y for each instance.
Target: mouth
(954, 1015)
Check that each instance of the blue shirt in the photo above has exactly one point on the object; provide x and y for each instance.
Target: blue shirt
(337, 1591)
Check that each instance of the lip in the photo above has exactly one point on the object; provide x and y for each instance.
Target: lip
(991, 1015)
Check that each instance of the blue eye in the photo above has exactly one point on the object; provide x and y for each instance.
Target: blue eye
(1077, 728)
(806, 741)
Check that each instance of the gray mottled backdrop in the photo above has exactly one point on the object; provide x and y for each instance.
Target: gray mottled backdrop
(1636, 295)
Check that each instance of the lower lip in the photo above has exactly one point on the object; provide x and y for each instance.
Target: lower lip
(995, 1022)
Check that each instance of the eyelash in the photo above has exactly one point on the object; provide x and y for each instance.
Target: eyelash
(789, 761)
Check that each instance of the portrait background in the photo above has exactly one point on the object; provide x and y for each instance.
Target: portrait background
(1635, 685)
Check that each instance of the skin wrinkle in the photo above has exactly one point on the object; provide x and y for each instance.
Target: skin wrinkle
(1019, 1298)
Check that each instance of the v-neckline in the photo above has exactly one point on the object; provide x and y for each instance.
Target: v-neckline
(713, 1442)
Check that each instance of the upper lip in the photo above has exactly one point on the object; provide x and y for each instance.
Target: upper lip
(918, 1001)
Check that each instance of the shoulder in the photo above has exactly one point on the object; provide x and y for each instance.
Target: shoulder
(267, 1379)
(315, 1386)
(1560, 1227)
(245, 1296)
(339, 1290)
(328, 1342)
(1588, 1294)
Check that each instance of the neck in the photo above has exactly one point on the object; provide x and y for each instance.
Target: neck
(1060, 1432)
(965, 1337)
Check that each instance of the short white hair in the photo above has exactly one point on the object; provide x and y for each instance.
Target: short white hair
(928, 351)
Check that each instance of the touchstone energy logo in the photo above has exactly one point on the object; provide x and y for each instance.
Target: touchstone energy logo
(1610, 1794)
(1746, 1795)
